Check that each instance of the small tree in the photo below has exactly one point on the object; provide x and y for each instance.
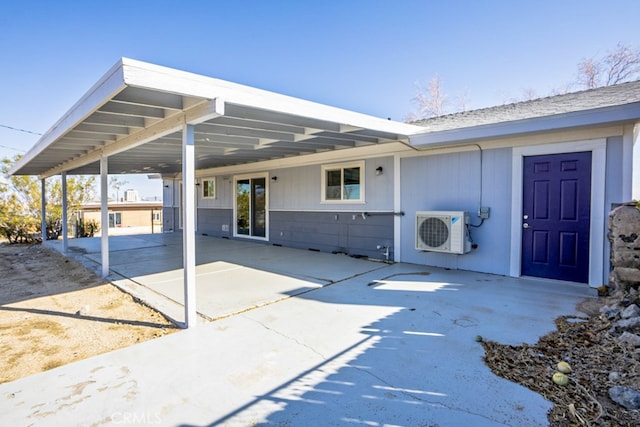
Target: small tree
(20, 203)
(15, 226)
(117, 184)
(431, 101)
(622, 64)
(619, 65)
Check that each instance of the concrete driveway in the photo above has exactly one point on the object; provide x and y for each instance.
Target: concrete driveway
(346, 342)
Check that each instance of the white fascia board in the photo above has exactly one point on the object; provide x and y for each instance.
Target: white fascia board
(615, 114)
(108, 86)
(155, 77)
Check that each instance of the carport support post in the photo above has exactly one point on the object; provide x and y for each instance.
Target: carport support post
(104, 215)
(43, 209)
(65, 241)
(188, 225)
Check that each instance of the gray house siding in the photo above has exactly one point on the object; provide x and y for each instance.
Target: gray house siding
(452, 182)
(168, 223)
(462, 180)
(613, 187)
(300, 188)
(215, 222)
(297, 215)
(350, 233)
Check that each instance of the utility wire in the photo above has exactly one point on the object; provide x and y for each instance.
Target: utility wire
(20, 130)
(11, 148)
(17, 130)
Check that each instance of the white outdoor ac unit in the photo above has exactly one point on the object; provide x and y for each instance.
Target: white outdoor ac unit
(443, 231)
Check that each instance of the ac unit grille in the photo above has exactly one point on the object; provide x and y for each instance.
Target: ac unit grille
(433, 232)
(442, 231)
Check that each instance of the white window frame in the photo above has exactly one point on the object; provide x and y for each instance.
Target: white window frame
(204, 185)
(342, 167)
(250, 176)
(115, 215)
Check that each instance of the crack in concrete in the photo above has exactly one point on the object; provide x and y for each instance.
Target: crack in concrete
(420, 399)
(295, 340)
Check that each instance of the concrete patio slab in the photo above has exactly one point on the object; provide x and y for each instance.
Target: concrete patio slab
(392, 346)
(232, 276)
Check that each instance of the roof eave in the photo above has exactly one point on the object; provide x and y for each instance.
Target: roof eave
(108, 86)
(156, 77)
(131, 73)
(469, 135)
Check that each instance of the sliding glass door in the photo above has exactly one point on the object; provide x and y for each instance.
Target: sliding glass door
(251, 206)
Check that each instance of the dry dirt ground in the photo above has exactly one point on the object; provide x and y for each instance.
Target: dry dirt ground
(53, 311)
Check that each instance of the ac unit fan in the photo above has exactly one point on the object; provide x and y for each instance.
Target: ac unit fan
(443, 231)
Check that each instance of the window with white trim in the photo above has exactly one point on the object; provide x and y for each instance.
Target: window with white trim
(343, 182)
(115, 219)
(209, 188)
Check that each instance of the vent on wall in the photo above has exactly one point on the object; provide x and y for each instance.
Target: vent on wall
(443, 231)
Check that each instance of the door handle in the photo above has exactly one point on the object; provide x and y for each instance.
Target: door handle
(525, 225)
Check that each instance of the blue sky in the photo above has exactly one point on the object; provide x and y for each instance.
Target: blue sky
(359, 55)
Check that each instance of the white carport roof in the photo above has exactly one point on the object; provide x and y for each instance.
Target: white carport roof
(135, 114)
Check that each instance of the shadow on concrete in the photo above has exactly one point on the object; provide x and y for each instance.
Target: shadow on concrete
(232, 276)
(384, 345)
(421, 364)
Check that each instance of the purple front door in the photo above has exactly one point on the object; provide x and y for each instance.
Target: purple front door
(556, 212)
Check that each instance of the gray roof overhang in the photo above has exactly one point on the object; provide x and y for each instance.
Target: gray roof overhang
(135, 115)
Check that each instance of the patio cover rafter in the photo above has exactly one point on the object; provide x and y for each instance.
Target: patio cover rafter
(137, 105)
(157, 130)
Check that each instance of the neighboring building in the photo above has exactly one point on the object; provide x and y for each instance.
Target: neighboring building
(139, 216)
(284, 171)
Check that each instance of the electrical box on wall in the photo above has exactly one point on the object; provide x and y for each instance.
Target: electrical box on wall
(483, 212)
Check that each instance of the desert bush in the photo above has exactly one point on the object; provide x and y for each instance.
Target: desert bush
(86, 228)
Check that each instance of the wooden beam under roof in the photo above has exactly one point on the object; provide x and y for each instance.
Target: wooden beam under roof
(214, 130)
(102, 128)
(157, 130)
(251, 113)
(126, 109)
(257, 124)
(138, 96)
(114, 119)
